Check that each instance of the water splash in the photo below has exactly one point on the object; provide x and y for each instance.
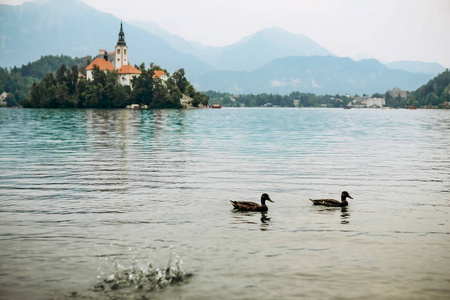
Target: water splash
(142, 277)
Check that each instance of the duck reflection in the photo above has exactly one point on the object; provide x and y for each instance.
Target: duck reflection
(345, 212)
(265, 221)
(241, 217)
(345, 216)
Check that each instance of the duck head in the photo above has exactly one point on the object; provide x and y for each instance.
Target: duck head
(265, 197)
(345, 195)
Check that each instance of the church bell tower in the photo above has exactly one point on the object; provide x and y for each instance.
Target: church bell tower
(121, 50)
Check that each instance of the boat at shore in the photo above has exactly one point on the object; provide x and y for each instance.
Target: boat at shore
(216, 106)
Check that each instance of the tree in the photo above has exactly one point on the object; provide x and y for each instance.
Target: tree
(72, 79)
(190, 91)
(435, 92)
(61, 74)
(180, 80)
(99, 77)
(200, 98)
(143, 88)
(11, 100)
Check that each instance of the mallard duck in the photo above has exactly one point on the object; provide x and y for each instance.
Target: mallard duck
(332, 202)
(252, 206)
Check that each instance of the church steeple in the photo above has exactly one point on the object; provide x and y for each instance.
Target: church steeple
(121, 53)
(121, 40)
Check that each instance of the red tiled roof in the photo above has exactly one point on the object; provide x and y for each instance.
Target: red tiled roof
(102, 63)
(159, 73)
(128, 69)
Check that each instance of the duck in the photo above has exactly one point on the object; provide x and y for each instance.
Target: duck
(252, 206)
(332, 202)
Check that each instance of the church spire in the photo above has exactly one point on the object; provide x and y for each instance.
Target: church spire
(121, 40)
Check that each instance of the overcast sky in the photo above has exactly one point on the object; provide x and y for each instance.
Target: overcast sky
(388, 30)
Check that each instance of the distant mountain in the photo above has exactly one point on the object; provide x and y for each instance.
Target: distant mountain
(417, 67)
(362, 55)
(73, 28)
(264, 46)
(315, 74)
(249, 53)
(202, 52)
(272, 60)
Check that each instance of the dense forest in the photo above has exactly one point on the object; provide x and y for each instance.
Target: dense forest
(54, 82)
(434, 94)
(65, 89)
(17, 82)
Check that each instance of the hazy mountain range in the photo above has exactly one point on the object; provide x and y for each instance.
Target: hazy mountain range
(71, 27)
(316, 74)
(272, 60)
(416, 67)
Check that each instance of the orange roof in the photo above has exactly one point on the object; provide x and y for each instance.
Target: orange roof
(159, 73)
(128, 69)
(102, 63)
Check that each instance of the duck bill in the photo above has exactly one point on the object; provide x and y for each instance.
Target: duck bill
(350, 197)
(270, 200)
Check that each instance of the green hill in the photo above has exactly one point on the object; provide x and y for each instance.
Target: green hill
(434, 94)
(18, 81)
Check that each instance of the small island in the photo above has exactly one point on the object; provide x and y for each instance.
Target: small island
(110, 81)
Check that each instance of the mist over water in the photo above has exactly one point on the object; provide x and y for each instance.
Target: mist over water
(122, 204)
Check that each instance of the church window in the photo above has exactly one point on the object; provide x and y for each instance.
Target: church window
(125, 51)
(118, 51)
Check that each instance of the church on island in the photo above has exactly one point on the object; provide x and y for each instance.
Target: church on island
(118, 61)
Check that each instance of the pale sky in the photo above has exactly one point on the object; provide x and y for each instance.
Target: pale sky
(388, 30)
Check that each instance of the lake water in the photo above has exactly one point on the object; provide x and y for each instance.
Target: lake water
(121, 204)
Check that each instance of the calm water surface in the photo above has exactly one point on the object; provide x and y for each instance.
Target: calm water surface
(97, 204)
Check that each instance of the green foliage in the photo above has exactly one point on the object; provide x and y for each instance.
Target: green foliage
(200, 99)
(17, 82)
(395, 102)
(180, 80)
(64, 89)
(49, 64)
(378, 95)
(143, 87)
(434, 94)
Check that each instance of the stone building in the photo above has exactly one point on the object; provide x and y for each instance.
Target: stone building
(398, 92)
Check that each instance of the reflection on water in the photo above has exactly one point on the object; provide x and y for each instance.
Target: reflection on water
(80, 188)
(250, 217)
(345, 216)
(265, 221)
(333, 212)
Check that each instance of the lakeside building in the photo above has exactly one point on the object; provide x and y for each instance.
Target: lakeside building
(117, 60)
(161, 75)
(398, 92)
(3, 97)
(367, 101)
